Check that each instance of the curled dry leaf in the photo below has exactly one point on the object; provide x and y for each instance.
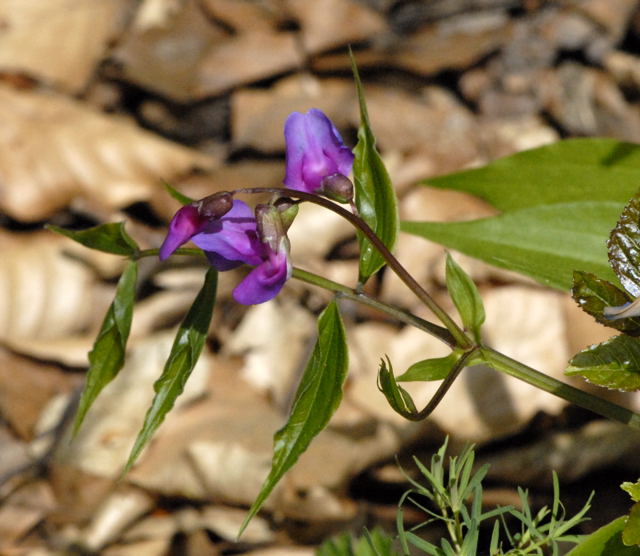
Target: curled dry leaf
(53, 149)
(59, 41)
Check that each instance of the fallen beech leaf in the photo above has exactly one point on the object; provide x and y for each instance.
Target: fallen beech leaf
(246, 15)
(53, 149)
(245, 58)
(59, 41)
(329, 24)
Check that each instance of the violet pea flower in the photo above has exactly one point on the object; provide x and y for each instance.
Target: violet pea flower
(230, 241)
(314, 150)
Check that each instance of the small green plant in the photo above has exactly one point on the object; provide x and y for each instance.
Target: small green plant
(452, 495)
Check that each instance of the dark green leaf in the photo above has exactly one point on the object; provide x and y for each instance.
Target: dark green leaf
(184, 355)
(430, 369)
(375, 196)
(544, 242)
(631, 532)
(398, 398)
(465, 296)
(564, 172)
(316, 400)
(632, 489)
(614, 363)
(624, 247)
(374, 543)
(110, 238)
(593, 294)
(606, 541)
(180, 197)
(106, 359)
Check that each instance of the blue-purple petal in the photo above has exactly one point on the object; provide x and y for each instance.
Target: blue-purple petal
(265, 281)
(183, 226)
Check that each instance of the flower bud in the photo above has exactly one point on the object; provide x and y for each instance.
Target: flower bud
(288, 209)
(215, 206)
(337, 187)
(269, 226)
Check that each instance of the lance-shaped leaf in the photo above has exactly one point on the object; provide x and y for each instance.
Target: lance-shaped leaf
(430, 369)
(106, 359)
(564, 172)
(593, 294)
(184, 355)
(465, 296)
(375, 196)
(316, 399)
(606, 541)
(398, 398)
(544, 242)
(180, 197)
(613, 364)
(110, 238)
(624, 247)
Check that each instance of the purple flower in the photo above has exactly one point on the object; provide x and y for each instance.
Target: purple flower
(230, 241)
(315, 150)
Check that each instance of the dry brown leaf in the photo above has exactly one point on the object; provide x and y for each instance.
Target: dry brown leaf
(165, 57)
(59, 41)
(154, 14)
(246, 15)
(329, 24)
(257, 117)
(246, 58)
(54, 150)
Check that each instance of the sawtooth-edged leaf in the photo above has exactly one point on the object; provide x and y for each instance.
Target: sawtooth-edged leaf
(624, 247)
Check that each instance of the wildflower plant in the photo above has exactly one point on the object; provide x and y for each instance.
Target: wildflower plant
(558, 205)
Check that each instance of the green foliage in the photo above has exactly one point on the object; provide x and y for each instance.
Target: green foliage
(593, 294)
(624, 247)
(546, 242)
(398, 398)
(453, 496)
(110, 238)
(614, 363)
(631, 531)
(430, 369)
(106, 358)
(184, 355)
(632, 489)
(606, 541)
(465, 296)
(180, 197)
(374, 543)
(569, 171)
(375, 196)
(317, 398)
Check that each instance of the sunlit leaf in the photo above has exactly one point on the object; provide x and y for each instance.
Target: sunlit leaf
(398, 398)
(430, 369)
(465, 296)
(375, 196)
(631, 532)
(567, 171)
(606, 541)
(632, 489)
(110, 238)
(593, 294)
(106, 359)
(317, 398)
(614, 363)
(184, 355)
(624, 247)
(545, 242)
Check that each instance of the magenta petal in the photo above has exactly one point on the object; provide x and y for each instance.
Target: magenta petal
(264, 282)
(183, 226)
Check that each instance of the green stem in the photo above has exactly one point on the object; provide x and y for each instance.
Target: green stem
(544, 382)
(461, 338)
(403, 316)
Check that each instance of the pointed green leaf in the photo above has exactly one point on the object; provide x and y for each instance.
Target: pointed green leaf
(614, 363)
(631, 531)
(110, 238)
(184, 355)
(465, 296)
(564, 172)
(544, 242)
(106, 359)
(180, 197)
(375, 196)
(430, 369)
(593, 294)
(624, 247)
(398, 398)
(317, 398)
(632, 489)
(606, 541)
